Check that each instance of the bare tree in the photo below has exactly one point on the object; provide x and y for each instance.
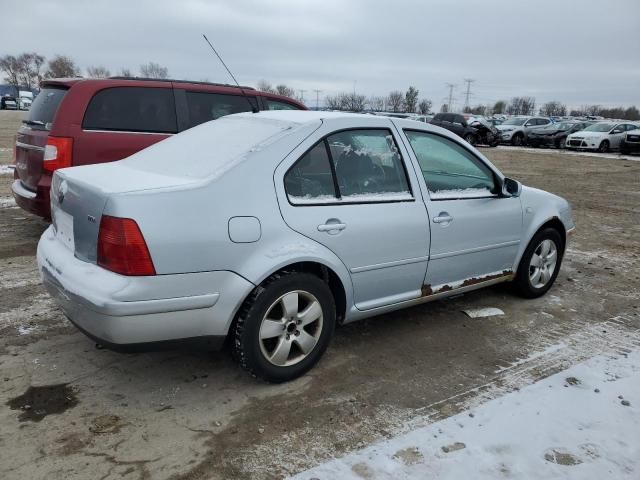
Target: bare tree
(125, 72)
(444, 108)
(424, 107)
(553, 108)
(632, 113)
(11, 68)
(282, 89)
(154, 70)
(333, 102)
(395, 101)
(499, 107)
(265, 86)
(353, 102)
(411, 100)
(478, 110)
(98, 71)
(521, 106)
(376, 103)
(62, 66)
(593, 110)
(30, 69)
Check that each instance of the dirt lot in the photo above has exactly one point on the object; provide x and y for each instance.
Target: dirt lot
(69, 410)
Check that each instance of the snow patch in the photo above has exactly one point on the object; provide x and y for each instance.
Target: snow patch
(356, 197)
(461, 193)
(6, 169)
(580, 153)
(8, 202)
(550, 429)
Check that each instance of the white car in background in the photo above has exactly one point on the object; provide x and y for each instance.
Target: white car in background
(601, 136)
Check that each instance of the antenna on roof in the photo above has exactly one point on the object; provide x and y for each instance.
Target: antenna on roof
(254, 108)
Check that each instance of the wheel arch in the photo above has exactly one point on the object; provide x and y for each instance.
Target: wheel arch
(552, 222)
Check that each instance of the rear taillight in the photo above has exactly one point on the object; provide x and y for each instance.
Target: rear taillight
(57, 153)
(122, 248)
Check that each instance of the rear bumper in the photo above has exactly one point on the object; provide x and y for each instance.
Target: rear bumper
(629, 147)
(120, 312)
(36, 202)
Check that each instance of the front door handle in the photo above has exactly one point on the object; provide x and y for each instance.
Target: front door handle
(333, 225)
(443, 217)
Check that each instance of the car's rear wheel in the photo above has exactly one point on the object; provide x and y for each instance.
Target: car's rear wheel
(470, 138)
(540, 264)
(604, 146)
(517, 140)
(284, 326)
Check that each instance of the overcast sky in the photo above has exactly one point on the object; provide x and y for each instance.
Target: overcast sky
(578, 52)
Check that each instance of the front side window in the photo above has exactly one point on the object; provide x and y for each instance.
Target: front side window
(132, 109)
(204, 106)
(351, 166)
(450, 170)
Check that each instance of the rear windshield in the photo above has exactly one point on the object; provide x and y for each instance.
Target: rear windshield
(132, 109)
(208, 150)
(44, 107)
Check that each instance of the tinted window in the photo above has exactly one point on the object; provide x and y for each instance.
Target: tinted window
(45, 106)
(276, 105)
(211, 106)
(543, 121)
(450, 170)
(368, 166)
(310, 179)
(132, 109)
(457, 119)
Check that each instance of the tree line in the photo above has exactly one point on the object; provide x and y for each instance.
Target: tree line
(28, 69)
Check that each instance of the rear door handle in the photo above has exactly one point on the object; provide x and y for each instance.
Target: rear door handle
(443, 218)
(332, 225)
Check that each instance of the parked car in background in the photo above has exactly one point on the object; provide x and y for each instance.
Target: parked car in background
(486, 133)
(555, 134)
(276, 270)
(456, 123)
(516, 130)
(495, 121)
(24, 103)
(601, 136)
(8, 103)
(631, 142)
(80, 122)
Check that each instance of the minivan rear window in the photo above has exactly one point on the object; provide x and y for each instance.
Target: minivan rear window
(204, 106)
(132, 109)
(45, 106)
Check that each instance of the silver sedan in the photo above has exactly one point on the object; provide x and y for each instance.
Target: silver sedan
(269, 229)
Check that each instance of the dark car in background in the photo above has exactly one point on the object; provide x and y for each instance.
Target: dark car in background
(555, 134)
(464, 127)
(80, 122)
(631, 142)
(8, 103)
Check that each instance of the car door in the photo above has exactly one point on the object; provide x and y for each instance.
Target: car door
(475, 233)
(351, 191)
(458, 124)
(616, 134)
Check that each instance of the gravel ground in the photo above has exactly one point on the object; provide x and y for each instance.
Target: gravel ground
(67, 408)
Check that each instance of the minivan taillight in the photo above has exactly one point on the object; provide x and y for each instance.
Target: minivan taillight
(57, 153)
(122, 248)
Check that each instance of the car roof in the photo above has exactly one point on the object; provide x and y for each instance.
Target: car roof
(301, 116)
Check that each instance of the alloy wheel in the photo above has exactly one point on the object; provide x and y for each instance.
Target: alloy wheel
(291, 328)
(543, 263)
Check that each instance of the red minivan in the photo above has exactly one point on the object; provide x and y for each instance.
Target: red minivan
(79, 122)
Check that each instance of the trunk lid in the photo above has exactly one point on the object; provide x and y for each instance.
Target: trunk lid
(31, 138)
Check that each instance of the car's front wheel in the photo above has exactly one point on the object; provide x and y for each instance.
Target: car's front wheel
(470, 138)
(604, 146)
(540, 264)
(517, 140)
(284, 326)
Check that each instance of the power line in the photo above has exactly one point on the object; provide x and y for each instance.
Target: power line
(302, 95)
(451, 86)
(317, 97)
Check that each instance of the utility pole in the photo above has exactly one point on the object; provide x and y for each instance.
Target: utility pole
(468, 81)
(451, 87)
(302, 95)
(317, 98)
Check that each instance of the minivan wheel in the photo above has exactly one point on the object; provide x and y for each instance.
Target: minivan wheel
(540, 264)
(284, 327)
(517, 139)
(604, 146)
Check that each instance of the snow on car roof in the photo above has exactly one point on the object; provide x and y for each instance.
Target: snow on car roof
(299, 116)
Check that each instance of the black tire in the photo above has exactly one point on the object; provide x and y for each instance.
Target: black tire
(517, 140)
(246, 329)
(522, 282)
(561, 143)
(604, 146)
(470, 138)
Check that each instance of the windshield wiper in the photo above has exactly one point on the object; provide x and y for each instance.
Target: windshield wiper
(33, 122)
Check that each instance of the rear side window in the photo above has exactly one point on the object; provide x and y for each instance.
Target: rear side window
(310, 180)
(276, 105)
(204, 107)
(132, 109)
(45, 106)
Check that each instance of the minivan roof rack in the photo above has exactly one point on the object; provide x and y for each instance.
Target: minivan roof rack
(179, 81)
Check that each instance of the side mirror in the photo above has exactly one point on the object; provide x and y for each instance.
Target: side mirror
(616, 131)
(511, 188)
